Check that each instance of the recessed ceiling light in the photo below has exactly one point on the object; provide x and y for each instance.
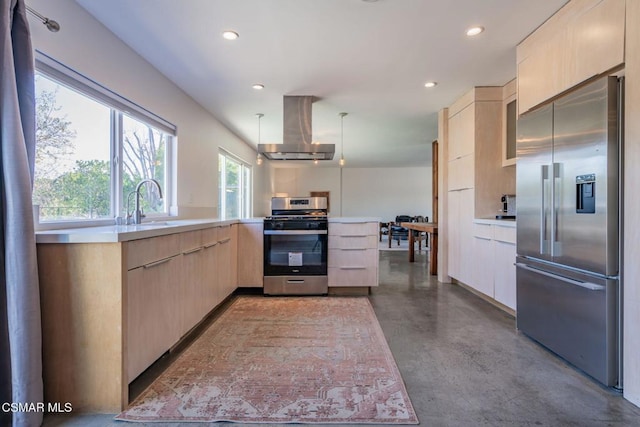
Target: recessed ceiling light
(230, 35)
(430, 84)
(474, 31)
(258, 86)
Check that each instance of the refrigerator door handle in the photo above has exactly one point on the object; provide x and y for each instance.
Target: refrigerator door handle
(586, 285)
(544, 176)
(555, 194)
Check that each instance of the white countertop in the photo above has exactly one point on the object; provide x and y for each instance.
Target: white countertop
(123, 233)
(500, 222)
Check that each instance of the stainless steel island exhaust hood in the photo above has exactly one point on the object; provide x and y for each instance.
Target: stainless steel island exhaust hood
(297, 134)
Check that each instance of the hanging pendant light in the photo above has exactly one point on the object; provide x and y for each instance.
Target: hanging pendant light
(341, 162)
(259, 158)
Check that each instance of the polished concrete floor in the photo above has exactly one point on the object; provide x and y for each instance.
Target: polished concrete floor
(464, 363)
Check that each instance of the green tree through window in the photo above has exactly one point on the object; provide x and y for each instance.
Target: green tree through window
(75, 176)
(234, 188)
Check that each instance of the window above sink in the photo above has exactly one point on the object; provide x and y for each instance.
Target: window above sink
(92, 148)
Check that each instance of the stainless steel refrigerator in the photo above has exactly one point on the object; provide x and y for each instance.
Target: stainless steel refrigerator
(567, 268)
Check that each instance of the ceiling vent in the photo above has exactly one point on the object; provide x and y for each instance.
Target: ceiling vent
(296, 143)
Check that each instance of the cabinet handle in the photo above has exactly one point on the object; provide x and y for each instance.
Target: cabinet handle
(156, 263)
(353, 249)
(192, 251)
(210, 245)
(353, 268)
(353, 235)
(225, 240)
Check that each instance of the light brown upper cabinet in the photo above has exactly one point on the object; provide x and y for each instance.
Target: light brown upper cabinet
(584, 39)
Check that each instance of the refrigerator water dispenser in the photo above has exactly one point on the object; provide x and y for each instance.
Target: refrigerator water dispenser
(586, 194)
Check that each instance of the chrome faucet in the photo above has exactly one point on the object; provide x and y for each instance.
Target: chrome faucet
(137, 213)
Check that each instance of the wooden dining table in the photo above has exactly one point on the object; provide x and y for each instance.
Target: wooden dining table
(431, 228)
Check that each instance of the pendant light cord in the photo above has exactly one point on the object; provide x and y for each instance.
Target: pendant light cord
(259, 157)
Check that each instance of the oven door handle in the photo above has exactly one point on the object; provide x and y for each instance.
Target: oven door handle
(292, 232)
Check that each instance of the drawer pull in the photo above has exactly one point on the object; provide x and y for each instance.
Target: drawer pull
(353, 268)
(156, 263)
(354, 235)
(354, 249)
(192, 251)
(210, 245)
(227, 240)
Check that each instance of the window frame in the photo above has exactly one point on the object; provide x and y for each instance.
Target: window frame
(246, 208)
(119, 106)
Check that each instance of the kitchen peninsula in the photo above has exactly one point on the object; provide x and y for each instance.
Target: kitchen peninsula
(115, 298)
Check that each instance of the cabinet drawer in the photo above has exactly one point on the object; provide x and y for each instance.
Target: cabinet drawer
(484, 231)
(190, 240)
(144, 251)
(345, 276)
(505, 234)
(353, 242)
(353, 258)
(353, 228)
(224, 233)
(209, 237)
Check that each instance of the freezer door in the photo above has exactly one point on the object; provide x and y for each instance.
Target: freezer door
(585, 228)
(575, 316)
(533, 183)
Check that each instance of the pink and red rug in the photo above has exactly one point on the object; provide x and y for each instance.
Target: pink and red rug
(283, 360)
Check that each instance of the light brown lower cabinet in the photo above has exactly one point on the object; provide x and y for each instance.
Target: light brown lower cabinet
(209, 293)
(189, 291)
(250, 255)
(154, 318)
(109, 310)
(353, 254)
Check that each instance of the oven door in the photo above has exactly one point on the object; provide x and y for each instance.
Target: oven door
(295, 252)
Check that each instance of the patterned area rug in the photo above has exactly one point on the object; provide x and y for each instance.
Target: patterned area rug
(283, 360)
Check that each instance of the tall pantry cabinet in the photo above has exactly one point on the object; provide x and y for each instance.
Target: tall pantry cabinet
(476, 178)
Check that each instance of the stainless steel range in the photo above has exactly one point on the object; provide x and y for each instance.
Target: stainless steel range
(295, 246)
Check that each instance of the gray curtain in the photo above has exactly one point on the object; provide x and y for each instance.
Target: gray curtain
(20, 328)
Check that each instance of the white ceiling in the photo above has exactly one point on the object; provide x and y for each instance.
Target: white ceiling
(369, 59)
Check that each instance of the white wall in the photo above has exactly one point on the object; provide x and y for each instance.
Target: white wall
(300, 181)
(86, 46)
(631, 267)
(387, 192)
(377, 192)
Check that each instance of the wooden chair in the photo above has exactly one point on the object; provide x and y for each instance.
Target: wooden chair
(384, 229)
(419, 236)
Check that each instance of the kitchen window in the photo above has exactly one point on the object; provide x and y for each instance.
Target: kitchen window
(92, 148)
(234, 192)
